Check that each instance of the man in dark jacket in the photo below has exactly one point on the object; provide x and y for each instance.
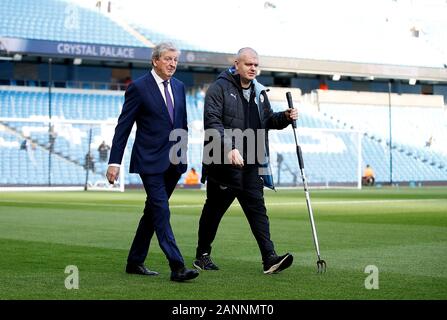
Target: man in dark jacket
(237, 116)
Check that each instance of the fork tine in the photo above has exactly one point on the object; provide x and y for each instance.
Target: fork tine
(321, 266)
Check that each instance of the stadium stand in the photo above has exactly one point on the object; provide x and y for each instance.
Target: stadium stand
(157, 37)
(60, 20)
(328, 154)
(334, 133)
(412, 126)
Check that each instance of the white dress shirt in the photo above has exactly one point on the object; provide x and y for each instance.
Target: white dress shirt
(161, 86)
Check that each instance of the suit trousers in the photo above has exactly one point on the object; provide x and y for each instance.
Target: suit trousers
(159, 188)
(251, 199)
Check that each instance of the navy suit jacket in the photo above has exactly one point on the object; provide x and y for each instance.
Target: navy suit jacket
(145, 105)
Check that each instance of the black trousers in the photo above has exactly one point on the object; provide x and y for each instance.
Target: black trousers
(251, 199)
(159, 188)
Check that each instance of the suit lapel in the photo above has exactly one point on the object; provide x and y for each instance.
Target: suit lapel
(153, 93)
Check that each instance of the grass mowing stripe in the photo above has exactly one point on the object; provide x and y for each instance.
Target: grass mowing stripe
(235, 204)
(404, 238)
(39, 274)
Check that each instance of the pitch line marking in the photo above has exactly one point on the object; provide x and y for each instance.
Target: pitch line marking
(94, 204)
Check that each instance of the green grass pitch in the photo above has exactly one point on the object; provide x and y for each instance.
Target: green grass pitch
(401, 231)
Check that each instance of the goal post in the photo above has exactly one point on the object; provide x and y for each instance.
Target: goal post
(57, 154)
(332, 157)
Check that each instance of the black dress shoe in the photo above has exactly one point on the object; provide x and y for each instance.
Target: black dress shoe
(140, 269)
(184, 274)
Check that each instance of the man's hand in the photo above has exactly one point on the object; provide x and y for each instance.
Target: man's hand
(291, 114)
(112, 174)
(235, 158)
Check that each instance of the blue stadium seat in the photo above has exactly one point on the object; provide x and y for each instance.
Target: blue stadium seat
(50, 20)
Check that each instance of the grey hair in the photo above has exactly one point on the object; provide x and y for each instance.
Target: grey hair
(162, 47)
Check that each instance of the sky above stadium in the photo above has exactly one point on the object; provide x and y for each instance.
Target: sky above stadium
(285, 27)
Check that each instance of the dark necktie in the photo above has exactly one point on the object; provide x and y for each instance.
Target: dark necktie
(169, 103)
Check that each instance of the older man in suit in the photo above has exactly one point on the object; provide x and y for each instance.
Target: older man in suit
(156, 102)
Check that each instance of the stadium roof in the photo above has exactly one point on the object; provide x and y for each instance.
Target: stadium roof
(382, 39)
(369, 38)
(404, 32)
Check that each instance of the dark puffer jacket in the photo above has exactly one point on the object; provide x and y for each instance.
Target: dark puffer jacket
(224, 109)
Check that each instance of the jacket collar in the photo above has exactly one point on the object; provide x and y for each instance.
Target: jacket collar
(258, 87)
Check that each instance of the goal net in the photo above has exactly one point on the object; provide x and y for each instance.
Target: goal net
(39, 152)
(332, 157)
